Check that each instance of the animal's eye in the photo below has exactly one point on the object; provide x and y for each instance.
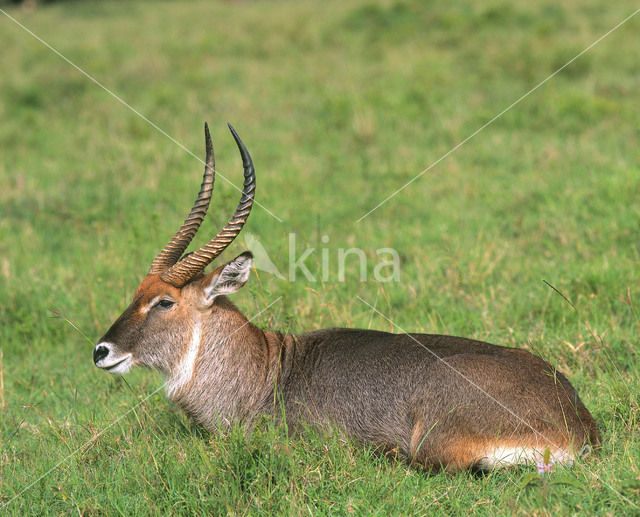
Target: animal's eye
(165, 303)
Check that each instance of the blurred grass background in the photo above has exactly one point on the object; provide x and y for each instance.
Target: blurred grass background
(340, 104)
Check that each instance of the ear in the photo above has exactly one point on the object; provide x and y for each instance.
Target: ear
(229, 278)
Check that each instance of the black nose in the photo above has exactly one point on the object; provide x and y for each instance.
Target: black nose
(100, 352)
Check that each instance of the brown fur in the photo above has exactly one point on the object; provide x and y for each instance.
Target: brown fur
(440, 401)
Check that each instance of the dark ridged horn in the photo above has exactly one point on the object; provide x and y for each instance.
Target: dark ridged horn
(176, 246)
(194, 263)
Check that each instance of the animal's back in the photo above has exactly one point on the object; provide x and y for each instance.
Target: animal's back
(436, 399)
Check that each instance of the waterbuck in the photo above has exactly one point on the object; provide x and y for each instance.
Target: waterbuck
(439, 401)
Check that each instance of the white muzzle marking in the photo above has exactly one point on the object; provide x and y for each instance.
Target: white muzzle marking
(114, 362)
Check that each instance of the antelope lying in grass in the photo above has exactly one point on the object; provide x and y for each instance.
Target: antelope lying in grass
(441, 401)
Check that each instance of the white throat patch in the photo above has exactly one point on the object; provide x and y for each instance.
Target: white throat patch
(184, 370)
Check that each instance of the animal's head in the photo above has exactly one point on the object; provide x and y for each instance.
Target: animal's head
(167, 307)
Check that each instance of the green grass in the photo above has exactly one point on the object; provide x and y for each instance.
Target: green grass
(340, 104)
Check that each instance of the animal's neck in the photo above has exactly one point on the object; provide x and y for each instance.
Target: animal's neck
(183, 372)
(229, 369)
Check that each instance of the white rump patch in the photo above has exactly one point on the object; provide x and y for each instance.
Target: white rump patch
(508, 456)
(184, 370)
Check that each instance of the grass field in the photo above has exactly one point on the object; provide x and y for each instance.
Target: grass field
(340, 104)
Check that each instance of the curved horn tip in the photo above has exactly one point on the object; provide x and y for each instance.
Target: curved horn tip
(207, 137)
(235, 135)
(246, 158)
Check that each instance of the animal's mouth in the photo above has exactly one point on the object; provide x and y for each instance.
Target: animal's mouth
(109, 368)
(120, 366)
